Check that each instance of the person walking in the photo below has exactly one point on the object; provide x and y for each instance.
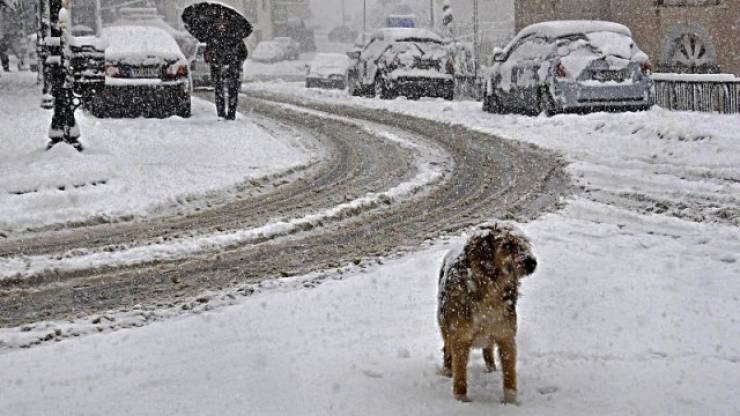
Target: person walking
(5, 43)
(226, 55)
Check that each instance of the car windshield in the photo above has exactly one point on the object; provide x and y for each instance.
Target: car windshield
(427, 48)
(601, 43)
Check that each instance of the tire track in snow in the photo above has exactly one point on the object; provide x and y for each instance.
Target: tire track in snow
(490, 178)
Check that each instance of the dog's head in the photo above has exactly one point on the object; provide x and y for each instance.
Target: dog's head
(501, 249)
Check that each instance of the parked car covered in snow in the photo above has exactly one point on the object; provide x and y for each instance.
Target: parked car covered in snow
(291, 48)
(268, 51)
(200, 70)
(146, 74)
(328, 70)
(402, 61)
(569, 65)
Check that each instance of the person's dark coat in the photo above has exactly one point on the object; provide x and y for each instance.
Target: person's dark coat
(226, 51)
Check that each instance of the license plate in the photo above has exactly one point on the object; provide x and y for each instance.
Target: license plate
(604, 76)
(145, 72)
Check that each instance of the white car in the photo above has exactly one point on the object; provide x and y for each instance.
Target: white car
(328, 70)
(146, 74)
(268, 51)
(579, 65)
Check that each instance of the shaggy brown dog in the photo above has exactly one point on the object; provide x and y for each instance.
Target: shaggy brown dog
(478, 289)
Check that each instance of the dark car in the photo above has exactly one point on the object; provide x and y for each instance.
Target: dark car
(342, 34)
(569, 65)
(146, 74)
(402, 61)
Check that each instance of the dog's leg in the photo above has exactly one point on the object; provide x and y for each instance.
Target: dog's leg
(447, 363)
(488, 358)
(460, 354)
(507, 352)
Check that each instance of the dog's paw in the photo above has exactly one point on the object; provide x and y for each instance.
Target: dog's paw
(490, 368)
(447, 372)
(462, 398)
(510, 397)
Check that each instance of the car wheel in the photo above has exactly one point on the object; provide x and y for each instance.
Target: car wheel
(380, 90)
(308, 84)
(184, 110)
(545, 103)
(449, 93)
(491, 104)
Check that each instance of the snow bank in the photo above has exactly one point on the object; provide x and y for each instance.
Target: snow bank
(431, 165)
(131, 167)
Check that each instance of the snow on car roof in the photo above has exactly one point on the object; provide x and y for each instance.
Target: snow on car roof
(558, 28)
(139, 42)
(404, 33)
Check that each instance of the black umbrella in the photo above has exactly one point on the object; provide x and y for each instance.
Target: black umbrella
(204, 21)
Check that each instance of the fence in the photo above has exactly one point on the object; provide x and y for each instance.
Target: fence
(713, 92)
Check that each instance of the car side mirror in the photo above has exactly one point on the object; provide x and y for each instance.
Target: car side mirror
(499, 56)
(353, 54)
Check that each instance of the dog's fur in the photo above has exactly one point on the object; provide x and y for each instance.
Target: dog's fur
(478, 290)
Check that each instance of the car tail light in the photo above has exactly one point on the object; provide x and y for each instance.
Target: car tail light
(647, 68)
(112, 71)
(560, 71)
(176, 71)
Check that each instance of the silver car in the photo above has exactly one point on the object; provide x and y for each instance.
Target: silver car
(327, 70)
(200, 70)
(569, 65)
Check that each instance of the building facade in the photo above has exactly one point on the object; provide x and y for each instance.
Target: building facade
(694, 36)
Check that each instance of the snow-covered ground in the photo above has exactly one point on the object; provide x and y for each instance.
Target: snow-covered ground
(130, 167)
(634, 309)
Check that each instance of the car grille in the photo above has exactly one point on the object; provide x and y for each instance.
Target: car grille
(611, 75)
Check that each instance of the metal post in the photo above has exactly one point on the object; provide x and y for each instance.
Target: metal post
(364, 20)
(98, 18)
(431, 15)
(476, 45)
(63, 124)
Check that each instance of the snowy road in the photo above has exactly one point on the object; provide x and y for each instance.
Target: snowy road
(387, 183)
